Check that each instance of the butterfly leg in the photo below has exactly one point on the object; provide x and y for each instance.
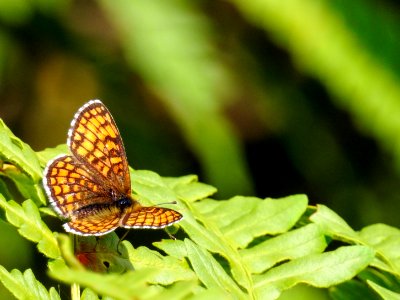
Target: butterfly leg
(170, 235)
(120, 240)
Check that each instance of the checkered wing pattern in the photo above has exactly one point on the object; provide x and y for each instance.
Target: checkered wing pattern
(150, 217)
(95, 141)
(70, 186)
(102, 220)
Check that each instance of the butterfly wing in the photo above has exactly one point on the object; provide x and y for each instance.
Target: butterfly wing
(95, 141)
(70, 186)
(149, 217)
(97, 221)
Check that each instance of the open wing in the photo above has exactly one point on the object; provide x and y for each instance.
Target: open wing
(70, 186)
(149, 217)
(105, 220)
(95, 141)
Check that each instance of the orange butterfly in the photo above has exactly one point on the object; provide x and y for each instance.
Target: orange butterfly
(92, 188)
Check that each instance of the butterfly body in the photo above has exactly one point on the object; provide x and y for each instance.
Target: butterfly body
(91, 188)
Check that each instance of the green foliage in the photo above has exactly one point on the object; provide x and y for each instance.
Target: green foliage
(196, 79)
(326, 51)
(384, 293)
(25, 286)
(22, 165)
(240, 248)
(26, 218)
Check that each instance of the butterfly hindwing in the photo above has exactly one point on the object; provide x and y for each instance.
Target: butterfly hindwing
(103, 220)
(150, 217)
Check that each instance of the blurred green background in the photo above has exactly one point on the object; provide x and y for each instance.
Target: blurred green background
(265, 98)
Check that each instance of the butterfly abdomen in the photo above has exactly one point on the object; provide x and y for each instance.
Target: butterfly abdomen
(91, 209)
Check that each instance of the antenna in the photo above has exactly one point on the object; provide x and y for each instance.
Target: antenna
(162, 203)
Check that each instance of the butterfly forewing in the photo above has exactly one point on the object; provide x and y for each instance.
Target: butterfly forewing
(95, 141)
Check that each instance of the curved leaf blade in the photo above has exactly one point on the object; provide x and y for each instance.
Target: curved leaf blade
(293, 244)
(210, 272)
(383, 292)
(25, 286)
(13, 150)
(319, 270)
(27, 219)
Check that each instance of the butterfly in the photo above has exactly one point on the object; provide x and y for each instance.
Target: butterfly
(91, 188)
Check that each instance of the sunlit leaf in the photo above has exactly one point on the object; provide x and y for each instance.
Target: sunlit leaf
(383, 292)
(293, 244)
(27, 219)
(25, 285)
(320, 270)
(333, 224)
(170, 268)
(132, 284)
(20, 163)
(16, 152)
(210, 272)
(386, 240)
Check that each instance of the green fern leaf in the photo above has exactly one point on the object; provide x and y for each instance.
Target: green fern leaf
(88, 294)
(228, 226)
(27, 219)
(170, 268)
(25, 286)
(386, 241)
(130, 285)
(210, 272)
(189, 189)
(16, 152)
(25, 169)
(383, 292)
(333, 225)
(290, 245)
(151, 188)
(320, 270)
